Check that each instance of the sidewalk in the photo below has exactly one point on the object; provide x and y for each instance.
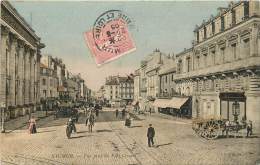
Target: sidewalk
(22, 121)
(164, 116)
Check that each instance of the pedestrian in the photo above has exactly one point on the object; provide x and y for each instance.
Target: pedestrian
(128, 121)
(249, 128)
(91, 121)
(117, 113)
(123, 113)
(87, 118)
(150, 135)
(97, 112)
(150, 111)
(32, 125)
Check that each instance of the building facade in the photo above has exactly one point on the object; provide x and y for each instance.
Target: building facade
(19, 64)
(149, 79)
(49, 78)
(222, 67)
(119, 91)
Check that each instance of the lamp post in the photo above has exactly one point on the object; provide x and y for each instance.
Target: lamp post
(236, 110)
(2, 108)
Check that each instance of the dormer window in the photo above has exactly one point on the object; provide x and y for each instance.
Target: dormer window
(213, 27)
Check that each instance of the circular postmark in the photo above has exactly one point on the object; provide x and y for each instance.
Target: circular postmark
(110, 31)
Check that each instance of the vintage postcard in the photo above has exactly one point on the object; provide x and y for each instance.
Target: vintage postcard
(149, 82)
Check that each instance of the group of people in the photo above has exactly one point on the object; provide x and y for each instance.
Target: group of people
(123, 113)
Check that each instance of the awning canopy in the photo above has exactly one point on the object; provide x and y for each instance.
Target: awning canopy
(177, 102)
(161, 103)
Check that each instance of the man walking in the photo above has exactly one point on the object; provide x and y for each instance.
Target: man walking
(150, 135)
(117, 113)
(123, 113)
(91, 121)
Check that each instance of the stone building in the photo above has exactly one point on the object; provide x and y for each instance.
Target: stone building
(49, 78)
(221, 70)
(19, 64)
(119, 91)
(148, 76)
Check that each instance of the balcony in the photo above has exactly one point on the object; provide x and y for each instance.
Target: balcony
(248, 62)
(166, 95)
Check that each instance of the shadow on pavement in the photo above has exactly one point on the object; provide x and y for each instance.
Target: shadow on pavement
(76, 137)
(46, 131)
(104, 130)
(136, 126)
(232, 136)
(159, 145)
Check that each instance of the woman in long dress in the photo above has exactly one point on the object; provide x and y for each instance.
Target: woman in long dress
(32, 125)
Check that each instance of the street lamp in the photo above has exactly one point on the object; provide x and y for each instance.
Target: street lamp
(2, 108)
(235, 110)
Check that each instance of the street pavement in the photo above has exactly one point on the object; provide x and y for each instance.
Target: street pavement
(111, 143)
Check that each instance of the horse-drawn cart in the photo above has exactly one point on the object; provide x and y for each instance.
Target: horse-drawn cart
(212, 128)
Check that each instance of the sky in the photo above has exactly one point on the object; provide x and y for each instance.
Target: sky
(165, 25)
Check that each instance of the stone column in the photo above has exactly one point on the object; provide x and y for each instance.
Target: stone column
(21, 72)
(26, 75)
(32, 76)
(38, 58)
(253, 40)
(3, 65)
(13, 53)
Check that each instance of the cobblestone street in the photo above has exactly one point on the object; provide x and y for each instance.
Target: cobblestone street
(113, 143)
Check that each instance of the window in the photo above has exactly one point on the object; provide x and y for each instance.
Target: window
(234, 50)
(198, 62)
(44, 81)
(198, 36)
(44, 93)
(172, 77)
(213, 27)
(166, 79)
(205, 32)
(205, 59)
(179, 66)
(246, 47)
(246, 9)
(233, 12)
(222, 53)
(213, 57)
(222, 23)
(188, 65)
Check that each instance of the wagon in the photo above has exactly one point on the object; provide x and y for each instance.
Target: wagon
(212, 128)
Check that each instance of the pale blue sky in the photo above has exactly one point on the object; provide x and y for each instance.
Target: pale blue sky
(165, 25)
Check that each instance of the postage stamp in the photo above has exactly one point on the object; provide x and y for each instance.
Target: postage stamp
(110, 38)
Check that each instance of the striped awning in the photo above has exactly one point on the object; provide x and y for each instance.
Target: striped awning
(177, 102)
(161, 103)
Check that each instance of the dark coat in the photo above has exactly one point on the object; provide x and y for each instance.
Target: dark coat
(150, 132)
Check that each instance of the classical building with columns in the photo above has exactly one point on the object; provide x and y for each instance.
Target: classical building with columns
(222, 69)
(19, 64)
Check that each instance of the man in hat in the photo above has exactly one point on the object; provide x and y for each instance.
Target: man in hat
(150, 135)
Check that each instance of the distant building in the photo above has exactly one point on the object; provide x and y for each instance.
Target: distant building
(149, 79)
(119, 90)
(20, 64)
(49, 79)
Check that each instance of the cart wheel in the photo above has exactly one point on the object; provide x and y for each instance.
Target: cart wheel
(212, 129)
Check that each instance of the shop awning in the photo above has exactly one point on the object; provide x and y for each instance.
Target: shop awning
(161, 103)
(177, 102)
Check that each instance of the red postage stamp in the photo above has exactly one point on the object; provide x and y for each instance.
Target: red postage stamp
(110, 38)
